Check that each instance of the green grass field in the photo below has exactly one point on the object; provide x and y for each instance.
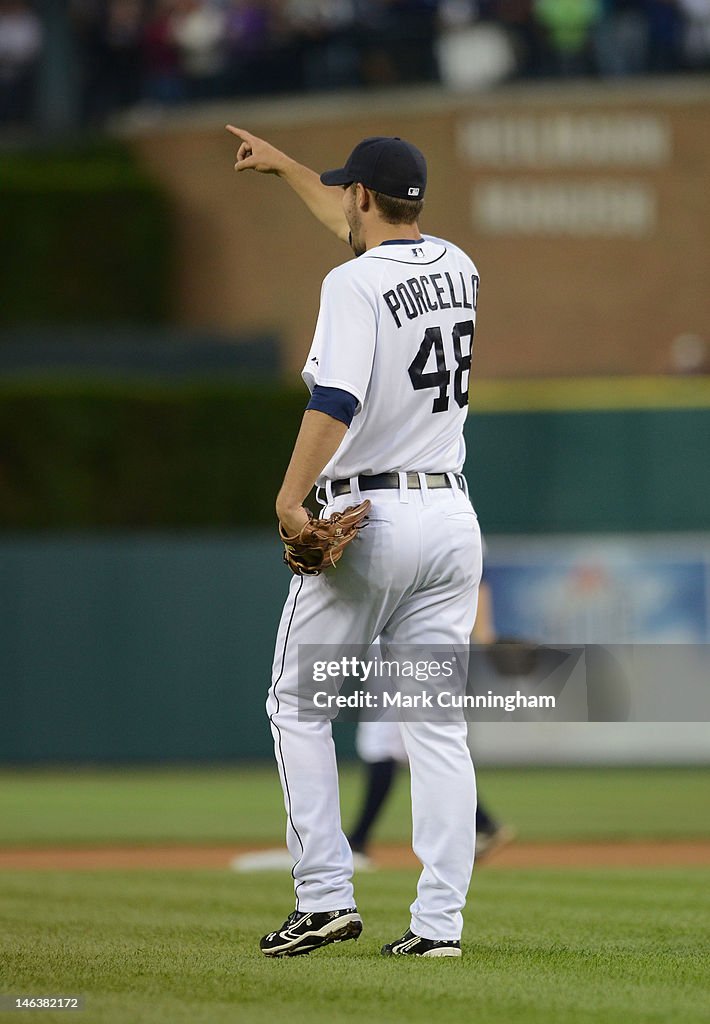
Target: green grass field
(237, 805)
(609, 947)
(540, 947)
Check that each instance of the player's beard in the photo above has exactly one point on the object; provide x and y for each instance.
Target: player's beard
(356, 243)
(357, 247)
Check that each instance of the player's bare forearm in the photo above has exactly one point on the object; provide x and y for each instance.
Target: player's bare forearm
(325, 203)
(318, 440)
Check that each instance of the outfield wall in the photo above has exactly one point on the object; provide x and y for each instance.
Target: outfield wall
(590, 456)
(157, 647)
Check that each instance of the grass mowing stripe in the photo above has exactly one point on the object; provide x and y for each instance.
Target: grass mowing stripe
(239, 805)
(601, 948)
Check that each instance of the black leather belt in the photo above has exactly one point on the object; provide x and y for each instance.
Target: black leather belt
(388, 481)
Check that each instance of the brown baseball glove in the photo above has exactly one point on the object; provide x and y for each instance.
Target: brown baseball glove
(321, 542)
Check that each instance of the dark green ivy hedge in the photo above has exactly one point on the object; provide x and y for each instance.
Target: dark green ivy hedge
(86, 239)
(88, 455)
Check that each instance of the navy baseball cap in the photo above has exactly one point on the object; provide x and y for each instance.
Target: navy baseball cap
(388, 165)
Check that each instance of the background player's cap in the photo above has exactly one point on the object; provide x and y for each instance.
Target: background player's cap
(388, 165)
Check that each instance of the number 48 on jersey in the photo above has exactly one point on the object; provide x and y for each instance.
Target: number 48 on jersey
(462, 337)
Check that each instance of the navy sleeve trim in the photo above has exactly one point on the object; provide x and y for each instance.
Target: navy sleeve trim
(335, 402)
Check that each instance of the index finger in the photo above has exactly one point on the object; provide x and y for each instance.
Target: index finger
(239, 132)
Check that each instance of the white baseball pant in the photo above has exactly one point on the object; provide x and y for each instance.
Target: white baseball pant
(411, 576)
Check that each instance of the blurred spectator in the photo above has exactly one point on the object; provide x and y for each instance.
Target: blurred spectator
(621, 39)
(409, 32)
(119, 51)
(523, 30)
(568, 32)
(170, 51)
(696, 36)
(325, 38)
(665, 25)
(474, 53)
(108, 37)
(163, 81)
(199, 31)
(252, 52)
(20, 46)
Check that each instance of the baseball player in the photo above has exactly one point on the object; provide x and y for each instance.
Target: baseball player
(388, 373)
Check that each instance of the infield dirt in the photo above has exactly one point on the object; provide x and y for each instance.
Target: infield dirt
(524, 855)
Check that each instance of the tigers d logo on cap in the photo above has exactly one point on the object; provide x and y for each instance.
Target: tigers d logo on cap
(385, 164)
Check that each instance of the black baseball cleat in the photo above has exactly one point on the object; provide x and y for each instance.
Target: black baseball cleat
(413, 945)
(302, 932)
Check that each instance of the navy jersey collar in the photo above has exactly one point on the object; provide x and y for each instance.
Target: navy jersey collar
(403, 241)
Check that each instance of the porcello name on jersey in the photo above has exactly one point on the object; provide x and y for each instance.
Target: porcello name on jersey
(426, 293)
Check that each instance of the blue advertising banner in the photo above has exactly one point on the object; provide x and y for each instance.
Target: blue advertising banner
(579, 590)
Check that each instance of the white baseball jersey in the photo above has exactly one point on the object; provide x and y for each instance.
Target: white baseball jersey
(395, 329)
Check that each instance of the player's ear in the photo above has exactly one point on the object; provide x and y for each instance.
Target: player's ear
(363, 197)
